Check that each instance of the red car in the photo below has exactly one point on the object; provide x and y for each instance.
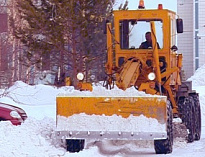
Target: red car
(12, 113)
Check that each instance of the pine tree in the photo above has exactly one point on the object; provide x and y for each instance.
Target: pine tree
(65, 31)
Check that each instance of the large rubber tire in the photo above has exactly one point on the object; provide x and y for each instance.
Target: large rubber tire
(74, 145)
(165, 146)
(188, 117)
(197, 135)
(191, 119)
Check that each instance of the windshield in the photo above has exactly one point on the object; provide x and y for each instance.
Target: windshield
(137, 34)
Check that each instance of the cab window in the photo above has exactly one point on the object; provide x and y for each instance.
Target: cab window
(133, 33)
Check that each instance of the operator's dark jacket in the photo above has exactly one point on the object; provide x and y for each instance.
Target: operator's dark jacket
(146, 45)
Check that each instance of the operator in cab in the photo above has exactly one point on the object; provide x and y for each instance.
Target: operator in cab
(148, 43)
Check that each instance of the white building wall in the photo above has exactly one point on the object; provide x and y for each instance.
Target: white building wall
(201, 32)
(185, 41)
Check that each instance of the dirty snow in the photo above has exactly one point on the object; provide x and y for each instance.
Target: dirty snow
(34, 137)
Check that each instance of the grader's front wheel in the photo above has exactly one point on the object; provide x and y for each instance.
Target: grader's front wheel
(75, 145)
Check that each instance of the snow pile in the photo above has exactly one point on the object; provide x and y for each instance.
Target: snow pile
(26, 94)
(32, 138)
(198, 79)
(85, 122)
(100, 91)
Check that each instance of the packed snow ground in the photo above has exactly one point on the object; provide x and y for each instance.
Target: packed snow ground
(34, 138)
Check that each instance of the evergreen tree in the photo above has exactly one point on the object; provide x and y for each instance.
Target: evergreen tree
(70, 32)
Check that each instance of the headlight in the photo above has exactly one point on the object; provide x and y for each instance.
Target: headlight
(151, 76)
(15, 114)
(80, 76)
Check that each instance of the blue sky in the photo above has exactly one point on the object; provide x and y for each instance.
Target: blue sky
(152, 4)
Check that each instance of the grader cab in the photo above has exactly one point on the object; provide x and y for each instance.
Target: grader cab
(154, 68)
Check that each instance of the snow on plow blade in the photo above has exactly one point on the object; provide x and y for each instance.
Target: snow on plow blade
(137, 118)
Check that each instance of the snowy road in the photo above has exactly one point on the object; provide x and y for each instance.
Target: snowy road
(146, 149)
(141, 149)
(190, 150)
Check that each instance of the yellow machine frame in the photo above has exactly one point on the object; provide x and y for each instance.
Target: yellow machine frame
(174, 60)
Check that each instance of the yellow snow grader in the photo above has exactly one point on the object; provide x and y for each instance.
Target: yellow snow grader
(151, 65)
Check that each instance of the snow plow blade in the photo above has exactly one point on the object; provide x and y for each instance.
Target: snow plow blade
(137, 118)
